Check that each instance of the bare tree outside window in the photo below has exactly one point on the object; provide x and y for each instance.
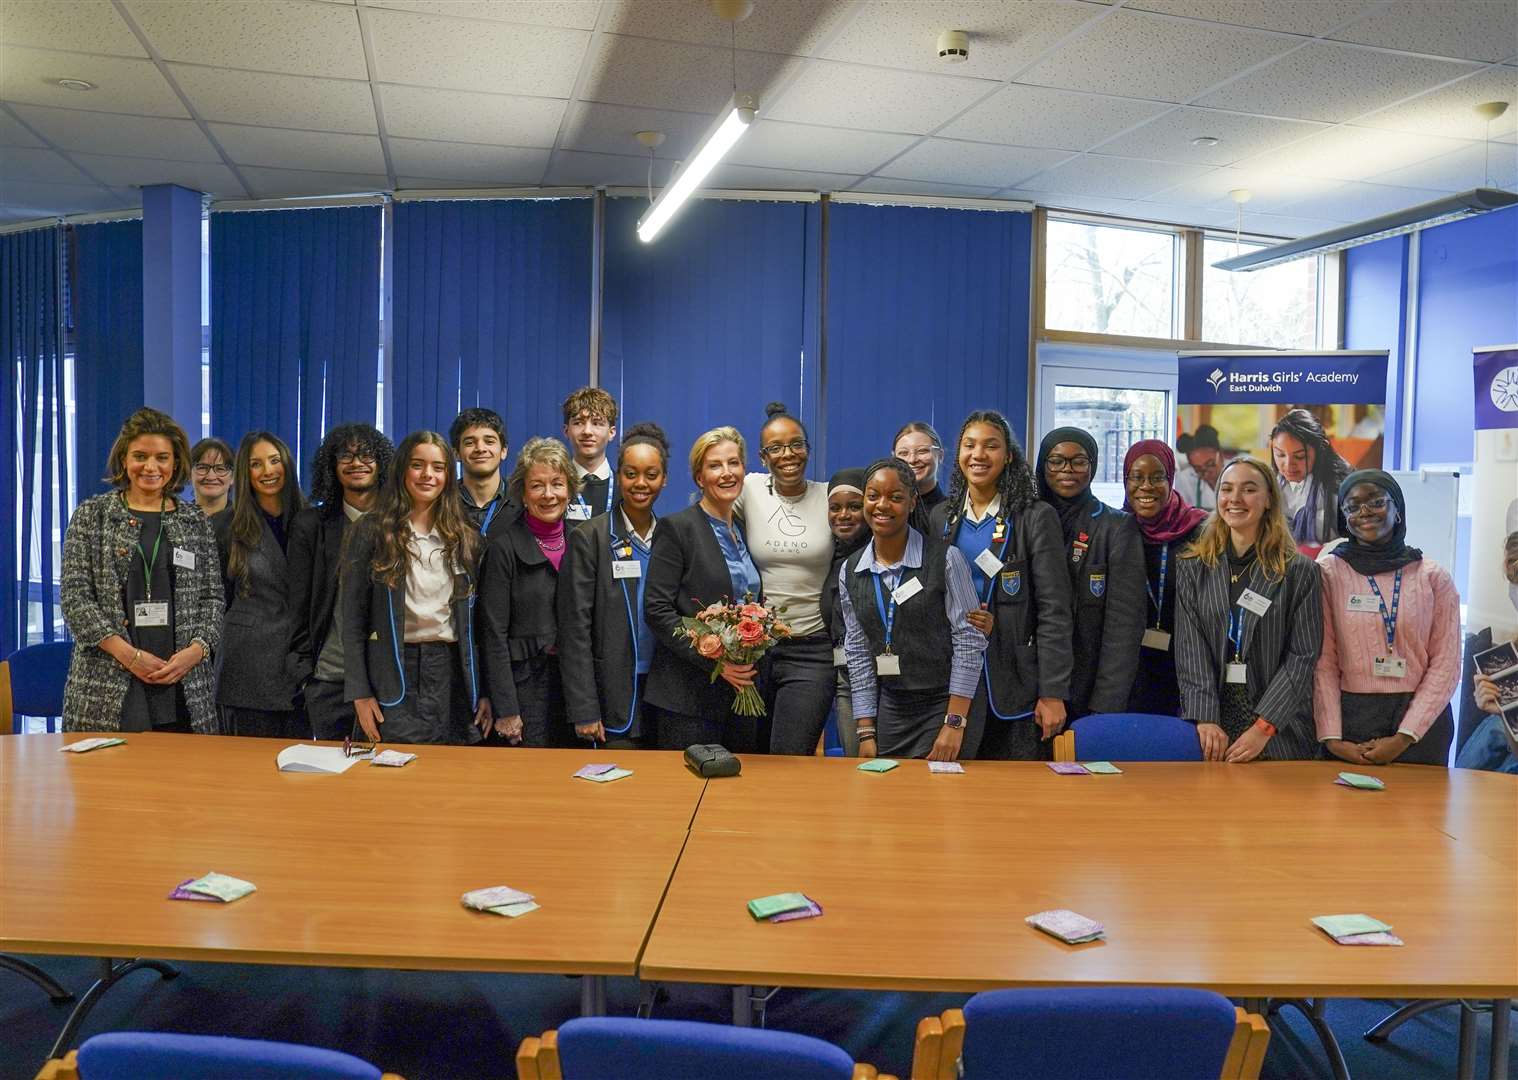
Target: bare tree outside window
(1277, 307)
(1105, 279)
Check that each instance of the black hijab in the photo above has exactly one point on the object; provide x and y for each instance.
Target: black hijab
(852, 479)
(1072, 512)
(1388, 555)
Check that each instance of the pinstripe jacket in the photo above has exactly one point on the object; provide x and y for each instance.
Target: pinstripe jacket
(1280, 648)
(97, 555)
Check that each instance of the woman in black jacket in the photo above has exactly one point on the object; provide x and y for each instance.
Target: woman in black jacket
(850, 534)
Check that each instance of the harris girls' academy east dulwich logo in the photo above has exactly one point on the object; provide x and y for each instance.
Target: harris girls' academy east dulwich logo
(1216, 379)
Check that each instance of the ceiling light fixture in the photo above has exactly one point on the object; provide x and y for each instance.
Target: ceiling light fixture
(75, 84)
(1206, 140)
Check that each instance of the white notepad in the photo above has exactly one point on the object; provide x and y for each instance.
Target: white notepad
(304, 757)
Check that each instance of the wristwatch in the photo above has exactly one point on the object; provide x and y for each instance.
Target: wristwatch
(954, 720)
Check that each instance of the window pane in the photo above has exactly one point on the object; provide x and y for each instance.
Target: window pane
(1104, 279)
(1116, 419)
(1277, 306)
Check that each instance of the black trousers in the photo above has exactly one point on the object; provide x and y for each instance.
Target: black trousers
(436, 707)
(799, 686)
(331, 717)
(679, 730)
(1376, 716)
(265, 723)
(540, 703)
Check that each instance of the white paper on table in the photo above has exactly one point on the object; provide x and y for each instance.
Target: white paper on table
(304, 757)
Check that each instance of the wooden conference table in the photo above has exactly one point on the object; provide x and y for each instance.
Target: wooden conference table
(1205, 875)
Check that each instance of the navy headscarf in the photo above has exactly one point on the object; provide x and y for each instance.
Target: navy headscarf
(1392, 552)
(1072, 512)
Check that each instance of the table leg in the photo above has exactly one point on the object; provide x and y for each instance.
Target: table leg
(111, 973)
(1465, 1063)
(1389, 1023)
(49, 985)
(1312, 1010)
(593, 995)
(743, 1006)
(1501, 1025)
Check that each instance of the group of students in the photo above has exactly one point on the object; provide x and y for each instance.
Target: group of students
(423, 597)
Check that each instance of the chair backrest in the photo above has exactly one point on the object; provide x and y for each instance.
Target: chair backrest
(1133, 1032)
(140, 1055)
(1135, 737)
(37, 676)
(633, 1049)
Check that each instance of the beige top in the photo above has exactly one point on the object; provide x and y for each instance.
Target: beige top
(429, 590)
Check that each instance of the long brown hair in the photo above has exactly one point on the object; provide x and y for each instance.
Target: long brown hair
(1274, 546)
(391, 517)
(247, 517)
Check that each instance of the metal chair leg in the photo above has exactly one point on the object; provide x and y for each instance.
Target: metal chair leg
(1501, 1023)
(111, 974)
(1312, 1010)
(50, 986)
(1392, 1021)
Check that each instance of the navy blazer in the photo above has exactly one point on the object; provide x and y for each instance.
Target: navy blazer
(517, 610)
(598, 631)
(254, 669)
(1110, 604)
(316, 545)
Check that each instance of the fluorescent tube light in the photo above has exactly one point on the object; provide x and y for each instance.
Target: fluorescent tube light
(1449, 208)
(735, 119)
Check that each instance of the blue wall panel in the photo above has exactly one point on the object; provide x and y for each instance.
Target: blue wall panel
(1375, 297)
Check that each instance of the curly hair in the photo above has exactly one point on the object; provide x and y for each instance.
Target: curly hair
(390, 519)
(1015, 486)
(594, 401)
(477, 417)
(917, 517)
(542, 451)
(366, 439)
(146, 421)
(247, 517)
(647, 433)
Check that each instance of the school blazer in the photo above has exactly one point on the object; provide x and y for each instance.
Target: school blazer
(1280, 647)
(1028, 654)
(1109, 602)
(597, 627)
(374, 627)
(254, 669)
(316, 545)
(516, 615)
(686, 571)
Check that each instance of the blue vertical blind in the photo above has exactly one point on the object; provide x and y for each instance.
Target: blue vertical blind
(105, 296)
(927, 319)
(35, 416)
(492, 308)
(294, 321)
(712, 321)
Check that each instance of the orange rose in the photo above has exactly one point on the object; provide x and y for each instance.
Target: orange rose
(750, 632)
(711, 611)
(710, 646)
(752, 611)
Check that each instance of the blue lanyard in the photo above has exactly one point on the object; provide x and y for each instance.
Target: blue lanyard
(1159, 604)
(887, 614)
(1389, 618)
(580, 497)
(495, 504)
(1001, 557)
(1236, 632)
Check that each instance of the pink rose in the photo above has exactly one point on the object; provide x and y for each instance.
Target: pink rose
(750, 632)
(711, 611)
(710, 646)
(753, 611)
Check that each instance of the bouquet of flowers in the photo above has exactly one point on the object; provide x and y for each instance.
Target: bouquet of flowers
(735, 634)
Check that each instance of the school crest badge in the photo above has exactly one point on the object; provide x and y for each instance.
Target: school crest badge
(1098, 584)
(1011, 582)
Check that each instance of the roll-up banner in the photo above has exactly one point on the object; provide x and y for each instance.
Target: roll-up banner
(1311, 417)
(1493, 598)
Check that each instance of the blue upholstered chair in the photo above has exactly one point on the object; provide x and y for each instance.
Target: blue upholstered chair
(1092, 1034)
(141, 1055)
(31, 683)
(603, 1048)
(1130, 737)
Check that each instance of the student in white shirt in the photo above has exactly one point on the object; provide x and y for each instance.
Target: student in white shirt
(590, 423)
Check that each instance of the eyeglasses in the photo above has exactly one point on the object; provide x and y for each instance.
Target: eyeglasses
(357, 744)
(1139, 480)
(1079, 463)
(210, 470)
(1380, 502)
(348, 457)
(795, 446)
(924, 454)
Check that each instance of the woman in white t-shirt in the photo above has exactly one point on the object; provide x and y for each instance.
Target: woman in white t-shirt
(786, 518)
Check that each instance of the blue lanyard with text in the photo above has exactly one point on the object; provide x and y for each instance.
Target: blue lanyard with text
(1159, 604)
(1389, 618)
(1236, 632)
(887, 614)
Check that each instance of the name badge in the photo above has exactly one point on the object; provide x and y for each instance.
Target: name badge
(906, 590)
(1155, 638)
(184, 558)
(989, 564)
(1236, 673)
(1363, 602)
(151, 613)
(626, 568)
(577, 512)
(1389, 667)
(887, 664)
(1253, 601)
(839, 659)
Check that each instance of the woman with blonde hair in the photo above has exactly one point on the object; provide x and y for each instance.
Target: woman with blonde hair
(519, 583)
(141, 592)
(1249, 626)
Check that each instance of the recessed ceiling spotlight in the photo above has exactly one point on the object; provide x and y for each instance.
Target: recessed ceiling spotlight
(1206, 140)
(75, 84)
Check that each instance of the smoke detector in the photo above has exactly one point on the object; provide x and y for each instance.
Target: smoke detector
(953, 46)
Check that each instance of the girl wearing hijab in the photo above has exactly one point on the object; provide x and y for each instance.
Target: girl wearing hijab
(1106, 565)
(1391, 636)
(850, 533)
(1310, 471)
(1167, 523)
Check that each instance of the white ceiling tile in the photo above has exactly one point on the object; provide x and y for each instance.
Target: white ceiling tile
(576, 14)
(1471, 29)
(21, 201)
(463, 54)
(1309, 17)
(123, 172)
(283, 148)
(122, 86)
(1353, 153)
(1056, 201)
(1174, 214)
(1004, 38)
(570, 168)
(666, 75)
(40, 165)
(112, 133)
(884, 185)
(488, 166)
(753, 178)
(1469, 167)
(460, 116)
(976, 164)
(850, 96)
(267, 35)
(286, 183)
(1136, 54)
(775, 144)
(1510, 137)
(13, 134)
(778, 26)
(1169, 138)
(1451, 111)
(1359, 202)
(293, 101)
(1288, 227)
(1113, 177)
(91, 26)
(1023, 115)
(610, 129)
(1332, 82)
(1268, 191)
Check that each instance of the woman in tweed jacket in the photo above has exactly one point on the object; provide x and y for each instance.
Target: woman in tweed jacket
(102, 549)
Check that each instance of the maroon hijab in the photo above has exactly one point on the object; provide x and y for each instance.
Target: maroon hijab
(1177, 518)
